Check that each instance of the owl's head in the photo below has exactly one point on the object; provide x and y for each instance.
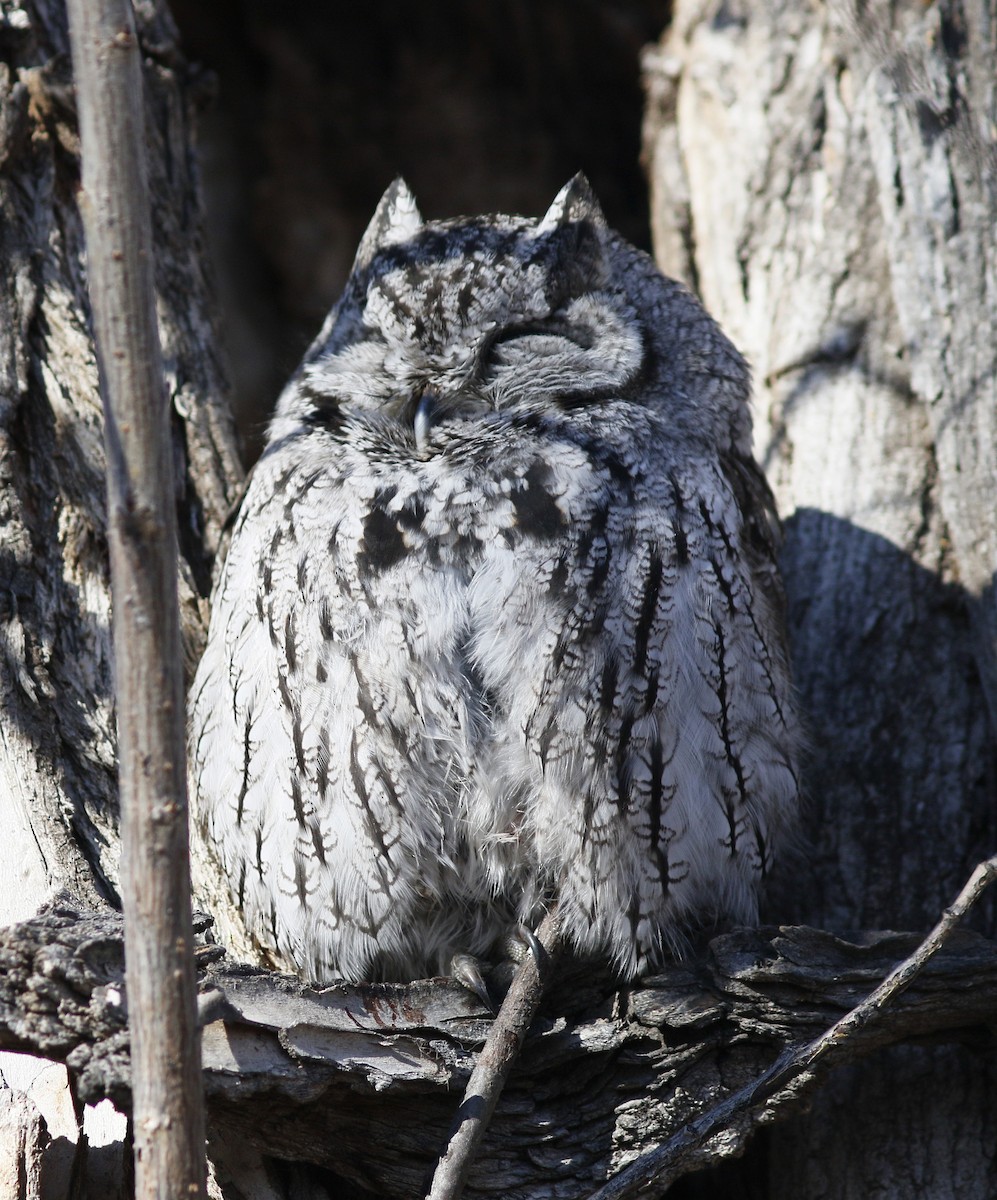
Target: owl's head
(449, 320)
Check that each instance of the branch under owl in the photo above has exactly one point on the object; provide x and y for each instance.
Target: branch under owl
(364, 1081)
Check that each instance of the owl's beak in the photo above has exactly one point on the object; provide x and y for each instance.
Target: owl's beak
(422, 422)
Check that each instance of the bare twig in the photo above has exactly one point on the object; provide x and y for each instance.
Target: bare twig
(166, 1071)
(494, 1063)
(795, 1071)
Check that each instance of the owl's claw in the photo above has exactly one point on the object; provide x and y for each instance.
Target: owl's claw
(517, 943)
(469, 971)
(466, 969)
(532, 943)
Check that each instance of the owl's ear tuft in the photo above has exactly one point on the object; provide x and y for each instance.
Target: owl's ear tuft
(575, 202)
(571, 240)
(396, 219)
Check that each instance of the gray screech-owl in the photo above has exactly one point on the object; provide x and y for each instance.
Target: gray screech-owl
(500, 620)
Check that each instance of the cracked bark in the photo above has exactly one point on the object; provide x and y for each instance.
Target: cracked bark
(825, 176)
(58, 761)
(363, 1081)
(58, 771)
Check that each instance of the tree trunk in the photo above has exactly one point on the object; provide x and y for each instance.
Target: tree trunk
(59, 763)
(825, 179)
(824, 176)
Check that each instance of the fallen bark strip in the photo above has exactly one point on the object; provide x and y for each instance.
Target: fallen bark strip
(365, 1080)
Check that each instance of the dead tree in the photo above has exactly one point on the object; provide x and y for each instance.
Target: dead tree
(825, 179)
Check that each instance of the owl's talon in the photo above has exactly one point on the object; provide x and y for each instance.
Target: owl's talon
(466, 969)
(517, 943)
(532, 944)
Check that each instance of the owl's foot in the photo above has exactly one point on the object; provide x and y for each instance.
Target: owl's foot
(526, 939)
(469, 971)
(511, 950)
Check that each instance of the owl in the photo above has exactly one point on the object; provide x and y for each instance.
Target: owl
(500, 623)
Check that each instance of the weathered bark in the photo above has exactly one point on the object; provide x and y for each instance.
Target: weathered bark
(826, 184)
(364, 1081)
(58, 763)
(825, 177)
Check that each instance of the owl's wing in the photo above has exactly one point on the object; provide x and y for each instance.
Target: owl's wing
(641, 667)
(762, 529)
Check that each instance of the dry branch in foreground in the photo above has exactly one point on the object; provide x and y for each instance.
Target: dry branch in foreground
(497, 1058)
(168, 1117)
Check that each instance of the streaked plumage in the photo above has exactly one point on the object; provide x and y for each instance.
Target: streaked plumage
(500, 619)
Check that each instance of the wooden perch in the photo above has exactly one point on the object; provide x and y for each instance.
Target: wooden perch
(365, 1080)
(798, 1071)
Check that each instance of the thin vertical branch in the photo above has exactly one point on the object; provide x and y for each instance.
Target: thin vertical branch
(494, 1063)
(166, 1072)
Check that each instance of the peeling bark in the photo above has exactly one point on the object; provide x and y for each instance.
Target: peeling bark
(58, 756)
(364, 1081)
(58, 760)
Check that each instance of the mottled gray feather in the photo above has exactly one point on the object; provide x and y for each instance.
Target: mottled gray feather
(500, 621)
